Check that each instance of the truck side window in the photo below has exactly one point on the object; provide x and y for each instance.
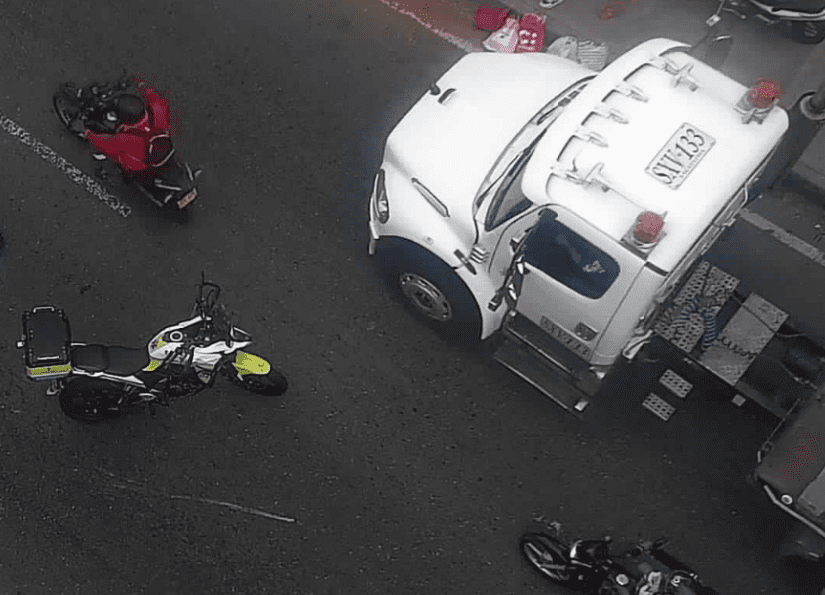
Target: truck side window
(509, 200)
(570, 259)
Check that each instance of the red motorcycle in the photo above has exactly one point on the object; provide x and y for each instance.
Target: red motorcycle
(164, 180)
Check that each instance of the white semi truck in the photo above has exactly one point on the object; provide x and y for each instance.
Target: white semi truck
(564, 213)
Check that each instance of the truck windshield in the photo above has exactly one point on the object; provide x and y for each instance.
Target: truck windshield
(526, 139)
(509, 200)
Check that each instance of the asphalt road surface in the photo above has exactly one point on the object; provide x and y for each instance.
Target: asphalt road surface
(396, 463)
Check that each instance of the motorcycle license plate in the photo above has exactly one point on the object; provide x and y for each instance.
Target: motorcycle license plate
(190, 196)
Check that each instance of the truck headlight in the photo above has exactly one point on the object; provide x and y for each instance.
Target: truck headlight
(382, 202)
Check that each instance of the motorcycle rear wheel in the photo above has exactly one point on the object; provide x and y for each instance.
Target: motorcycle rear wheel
(89, 400)
(540, 550)
(271, 384)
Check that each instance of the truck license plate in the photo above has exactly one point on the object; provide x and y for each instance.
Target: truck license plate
(680, 155)
(190, 196)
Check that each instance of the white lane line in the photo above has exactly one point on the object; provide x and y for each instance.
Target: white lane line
(787, 238)
(131, 484)
(74, 174)
(445, 35)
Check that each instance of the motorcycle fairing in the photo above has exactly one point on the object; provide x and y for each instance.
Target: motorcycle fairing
(159, 347)
(249, 363)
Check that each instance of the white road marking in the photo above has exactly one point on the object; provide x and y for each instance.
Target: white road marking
(785, 237)
(74, 174)
(131, 484)
(445, 35)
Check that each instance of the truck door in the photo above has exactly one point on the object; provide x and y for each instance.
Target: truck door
(508, 216)
(574, 281)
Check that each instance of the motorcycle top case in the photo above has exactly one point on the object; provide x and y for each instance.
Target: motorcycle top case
(47, 343)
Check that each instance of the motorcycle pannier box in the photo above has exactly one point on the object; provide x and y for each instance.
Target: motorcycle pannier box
(46, 342)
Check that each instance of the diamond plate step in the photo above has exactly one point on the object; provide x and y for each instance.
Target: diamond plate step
(675, 384)
(658, 406)
(743, 338)
(681, 323)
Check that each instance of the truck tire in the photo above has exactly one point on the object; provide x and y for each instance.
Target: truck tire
(431, 289)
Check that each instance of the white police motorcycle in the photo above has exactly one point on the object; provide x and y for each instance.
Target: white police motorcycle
(97, 382)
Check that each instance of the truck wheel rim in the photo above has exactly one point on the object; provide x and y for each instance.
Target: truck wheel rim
(426, 297)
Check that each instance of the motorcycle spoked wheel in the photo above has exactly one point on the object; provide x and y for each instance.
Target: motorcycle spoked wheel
(271, 384)
(542, 550)
(89, 400)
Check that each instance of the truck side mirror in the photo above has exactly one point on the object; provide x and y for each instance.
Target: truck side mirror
(717, 51)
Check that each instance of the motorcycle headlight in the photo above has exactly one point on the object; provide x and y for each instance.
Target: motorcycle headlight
(382, 202)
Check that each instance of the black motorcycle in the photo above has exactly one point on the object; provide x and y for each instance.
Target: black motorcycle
(586, 565)
(171, 183)
(803, 20)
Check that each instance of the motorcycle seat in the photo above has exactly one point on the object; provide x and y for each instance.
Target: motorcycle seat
(809, 6)
(121, 361)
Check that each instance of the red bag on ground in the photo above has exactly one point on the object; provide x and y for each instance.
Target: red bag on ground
(489, 18)
(504, 39)
(531, 33)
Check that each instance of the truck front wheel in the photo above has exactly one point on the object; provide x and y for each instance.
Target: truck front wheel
(431, 289)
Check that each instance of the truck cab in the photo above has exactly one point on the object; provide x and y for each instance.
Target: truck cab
(527, 196)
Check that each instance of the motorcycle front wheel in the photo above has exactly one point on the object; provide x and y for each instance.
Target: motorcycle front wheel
(271, 384)
(66, 105)
(89, 400)
(549, 557)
